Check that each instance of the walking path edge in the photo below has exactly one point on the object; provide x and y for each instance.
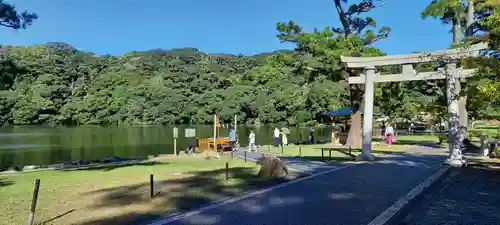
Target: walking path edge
(391, 214)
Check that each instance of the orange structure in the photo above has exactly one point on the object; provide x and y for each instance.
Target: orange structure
(216, 142)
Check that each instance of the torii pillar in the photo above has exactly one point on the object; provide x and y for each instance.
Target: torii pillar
(366, 153)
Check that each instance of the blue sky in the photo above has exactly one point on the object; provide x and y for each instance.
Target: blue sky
(215, 26)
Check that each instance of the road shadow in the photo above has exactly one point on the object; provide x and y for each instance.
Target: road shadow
(367, 189)
(353, 188)
(326, 159)
(465, 196)
(133, 204)
(426, 143)
(315, 164)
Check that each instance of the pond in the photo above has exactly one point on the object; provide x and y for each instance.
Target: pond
(34, 145)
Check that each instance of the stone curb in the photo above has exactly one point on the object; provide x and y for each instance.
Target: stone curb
(398, 210)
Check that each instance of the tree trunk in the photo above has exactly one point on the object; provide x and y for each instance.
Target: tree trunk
(470, 19)
(462, 99)
(456, 30)
(343, 17)
(354, 136)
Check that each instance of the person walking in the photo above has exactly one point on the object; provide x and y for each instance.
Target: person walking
(276, 137)
(251, 141)
(382, 129)
(411, 129)
(233, 137)
(389, 134)
(284, 139)
(311, 135)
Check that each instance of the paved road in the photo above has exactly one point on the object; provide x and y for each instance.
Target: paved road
(353, 195)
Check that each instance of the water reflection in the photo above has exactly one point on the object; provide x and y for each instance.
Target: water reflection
(44, 145)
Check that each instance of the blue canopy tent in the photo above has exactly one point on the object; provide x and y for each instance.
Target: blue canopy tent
(342, 115)
(343, 112)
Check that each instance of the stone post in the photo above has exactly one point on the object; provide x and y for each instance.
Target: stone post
(484, 146)
(462, 102)
(455, 157)
(366, 153)
(492, 148)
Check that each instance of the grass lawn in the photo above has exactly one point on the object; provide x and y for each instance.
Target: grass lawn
(313, 152)
(120, 194)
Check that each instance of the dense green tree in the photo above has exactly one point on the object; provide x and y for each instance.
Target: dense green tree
(57, 84)
(448, 11)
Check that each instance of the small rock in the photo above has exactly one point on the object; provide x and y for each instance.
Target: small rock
(30, 167)
(273, 167)
(15, 169)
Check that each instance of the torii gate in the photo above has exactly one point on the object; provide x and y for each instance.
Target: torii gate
(450, 73)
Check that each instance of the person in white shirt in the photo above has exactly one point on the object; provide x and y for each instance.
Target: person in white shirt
(276, 137)
(284, 139)
(251, 141)
(389, 134)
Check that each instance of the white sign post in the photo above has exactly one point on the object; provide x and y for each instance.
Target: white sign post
(176, 135)
(191, 133)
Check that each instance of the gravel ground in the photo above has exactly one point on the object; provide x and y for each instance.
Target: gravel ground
(467, 196)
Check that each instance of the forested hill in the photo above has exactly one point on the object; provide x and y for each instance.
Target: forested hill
(57, 84)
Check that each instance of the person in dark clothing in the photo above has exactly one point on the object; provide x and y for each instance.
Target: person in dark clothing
(311, 135)
(382, 129)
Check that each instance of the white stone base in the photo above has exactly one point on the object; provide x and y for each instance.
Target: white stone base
(456, 162)
(365, 157)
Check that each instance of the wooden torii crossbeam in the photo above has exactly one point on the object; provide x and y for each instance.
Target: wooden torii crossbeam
(450, 73)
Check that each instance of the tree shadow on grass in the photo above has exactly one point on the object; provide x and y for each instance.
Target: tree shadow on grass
(112, 166)
(171, 195)
(5, 182)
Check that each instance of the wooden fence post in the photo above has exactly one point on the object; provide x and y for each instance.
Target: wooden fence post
(227, 170)
(151, 186)
(33, 202)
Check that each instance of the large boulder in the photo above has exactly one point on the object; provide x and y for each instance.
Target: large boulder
(273, 167)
